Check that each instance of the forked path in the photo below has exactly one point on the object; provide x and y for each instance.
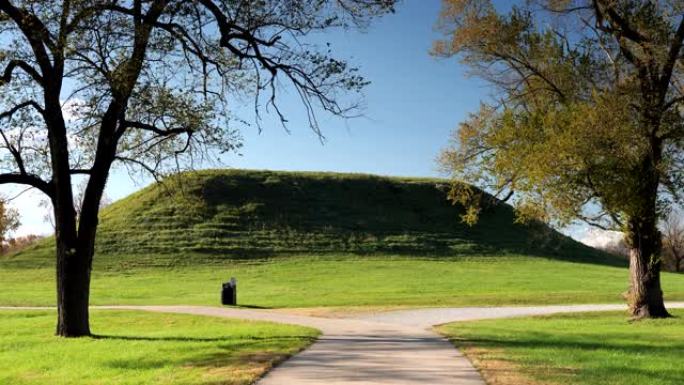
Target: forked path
(396, 347)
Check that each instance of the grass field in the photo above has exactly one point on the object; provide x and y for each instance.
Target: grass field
(143, 348)
(578, 349)
(343, 280)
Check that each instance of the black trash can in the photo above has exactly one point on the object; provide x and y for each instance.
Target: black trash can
(229, 292)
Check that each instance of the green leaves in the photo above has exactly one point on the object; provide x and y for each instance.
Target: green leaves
(580, 128)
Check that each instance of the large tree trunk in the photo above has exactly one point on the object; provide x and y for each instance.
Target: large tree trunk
(73, 267)
(73, 289)
(75, 252)
(645, 295)
(73, 264)
(643, 236)
(73, 273)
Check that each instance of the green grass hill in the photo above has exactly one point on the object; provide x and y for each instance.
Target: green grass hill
(295, 239)
(239, 213)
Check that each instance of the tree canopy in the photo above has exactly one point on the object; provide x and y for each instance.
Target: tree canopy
(163, 74)
(567, 130)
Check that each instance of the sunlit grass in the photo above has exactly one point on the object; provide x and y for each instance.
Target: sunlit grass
(577, 349)
(343, 280)
(143, 348)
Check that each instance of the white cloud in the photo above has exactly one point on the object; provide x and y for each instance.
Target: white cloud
(601, 239)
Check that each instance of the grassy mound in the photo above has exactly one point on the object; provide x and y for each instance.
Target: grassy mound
(321, 239)
(239, 213)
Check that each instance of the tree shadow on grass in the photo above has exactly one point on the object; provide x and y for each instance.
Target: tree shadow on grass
(612, 370)
(549, 343)
(244, 306)
(220, 360)
(196, 339)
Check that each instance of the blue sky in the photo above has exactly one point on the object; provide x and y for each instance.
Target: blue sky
(413, 103)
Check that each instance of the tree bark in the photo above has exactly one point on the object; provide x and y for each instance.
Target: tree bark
(646, 295)
(75, 251)
(76, 248)
(73, 285)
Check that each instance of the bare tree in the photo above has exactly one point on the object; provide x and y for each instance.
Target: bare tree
(91, 84)
(673, 241)
(79, 196)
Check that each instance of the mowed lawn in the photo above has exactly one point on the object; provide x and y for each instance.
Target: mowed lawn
(578, 349)
(342, 280)
(143, 348)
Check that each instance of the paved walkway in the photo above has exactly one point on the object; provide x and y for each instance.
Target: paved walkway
(355, 351)
(396, 347)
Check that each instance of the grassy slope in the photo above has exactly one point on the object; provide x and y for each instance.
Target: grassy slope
(349, 240)
(580, 349)
(143, 348)
(240, 213)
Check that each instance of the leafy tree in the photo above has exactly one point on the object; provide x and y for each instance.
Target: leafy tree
(91, 84)
(586, 122)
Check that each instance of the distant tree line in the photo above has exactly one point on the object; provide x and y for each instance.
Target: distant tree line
(15, 244)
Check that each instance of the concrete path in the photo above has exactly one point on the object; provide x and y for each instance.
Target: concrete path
(429, 317)
(355, 351)
(396, 347)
